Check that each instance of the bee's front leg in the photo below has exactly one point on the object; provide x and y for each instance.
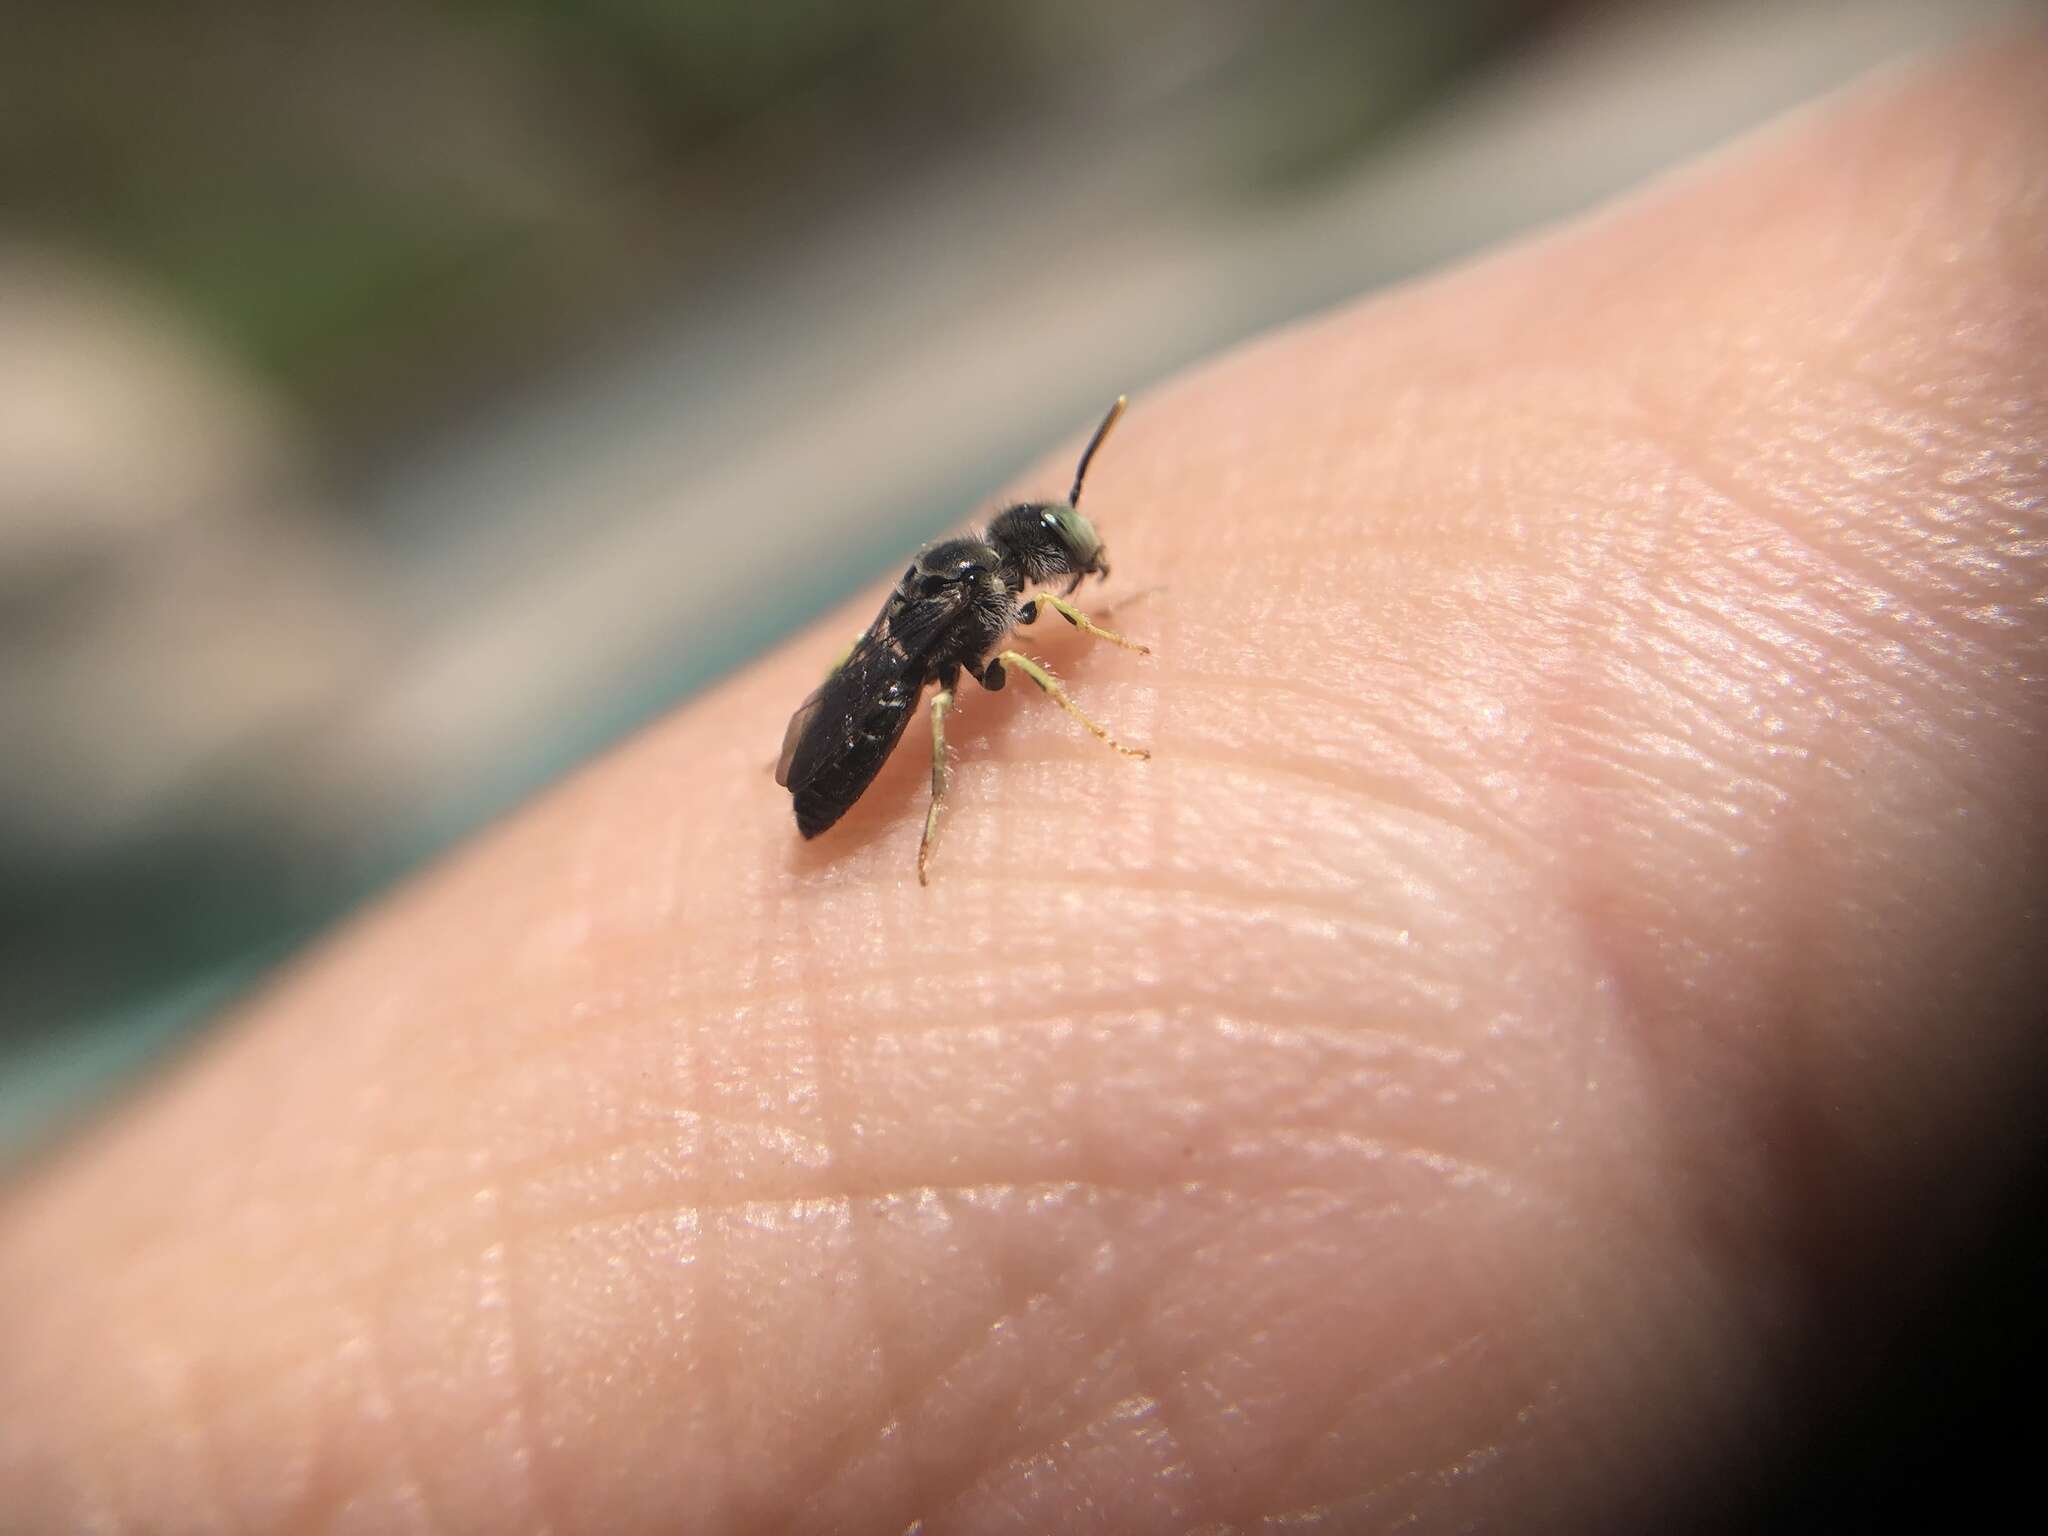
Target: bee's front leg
(1028, 613)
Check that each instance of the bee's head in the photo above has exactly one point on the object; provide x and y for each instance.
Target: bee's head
(1044, 540)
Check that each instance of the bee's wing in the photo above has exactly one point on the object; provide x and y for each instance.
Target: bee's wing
(799, 723)
(875, 687)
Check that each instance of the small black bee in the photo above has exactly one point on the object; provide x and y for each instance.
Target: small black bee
(955, 604)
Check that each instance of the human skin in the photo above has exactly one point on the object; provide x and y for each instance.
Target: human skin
(1568, 972)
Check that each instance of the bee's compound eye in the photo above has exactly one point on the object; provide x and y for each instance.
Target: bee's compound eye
(932, 586)
(1050, 518)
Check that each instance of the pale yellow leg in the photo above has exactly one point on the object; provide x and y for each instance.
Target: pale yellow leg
(1058, 695)
(1086, 625)
(941, 702)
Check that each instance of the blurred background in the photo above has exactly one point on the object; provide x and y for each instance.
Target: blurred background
(400, 400)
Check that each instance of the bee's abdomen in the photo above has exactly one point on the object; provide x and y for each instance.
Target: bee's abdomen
(829, 794)
(820, 805)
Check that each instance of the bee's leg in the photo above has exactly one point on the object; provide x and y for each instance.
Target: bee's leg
(992, 677)
(1028, 613)
(941, 773)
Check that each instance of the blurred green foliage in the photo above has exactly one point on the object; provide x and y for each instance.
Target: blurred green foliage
(382, 205)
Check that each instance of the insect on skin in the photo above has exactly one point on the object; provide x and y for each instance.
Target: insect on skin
(955, 606)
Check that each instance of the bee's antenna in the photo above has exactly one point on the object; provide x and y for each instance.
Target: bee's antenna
(1095, 442)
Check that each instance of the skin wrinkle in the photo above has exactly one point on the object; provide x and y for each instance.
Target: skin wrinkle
(1866, 676)
(1474, 818)
(1341, 1392)
(1147, 1365)
(1713, 666)
(1374, 796)
(384, 1406)
(1154, 1367)
(1126, 1300)
(1650, 759)
(461, 1302)
(1284, 1475)
(526, 1431)
(1020, 1488)
(1844, 677)
(1789, 644)
(183, 1401)
(1095, 1193)
(1921, 215)
(297, 1450)
(1017, 1302)
(773, 1506)
(809, 1103)
(840, 1093)
(958, 1489)
(458, 1191)
(1884, 596)
(846, 1457)
(707, 1295)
